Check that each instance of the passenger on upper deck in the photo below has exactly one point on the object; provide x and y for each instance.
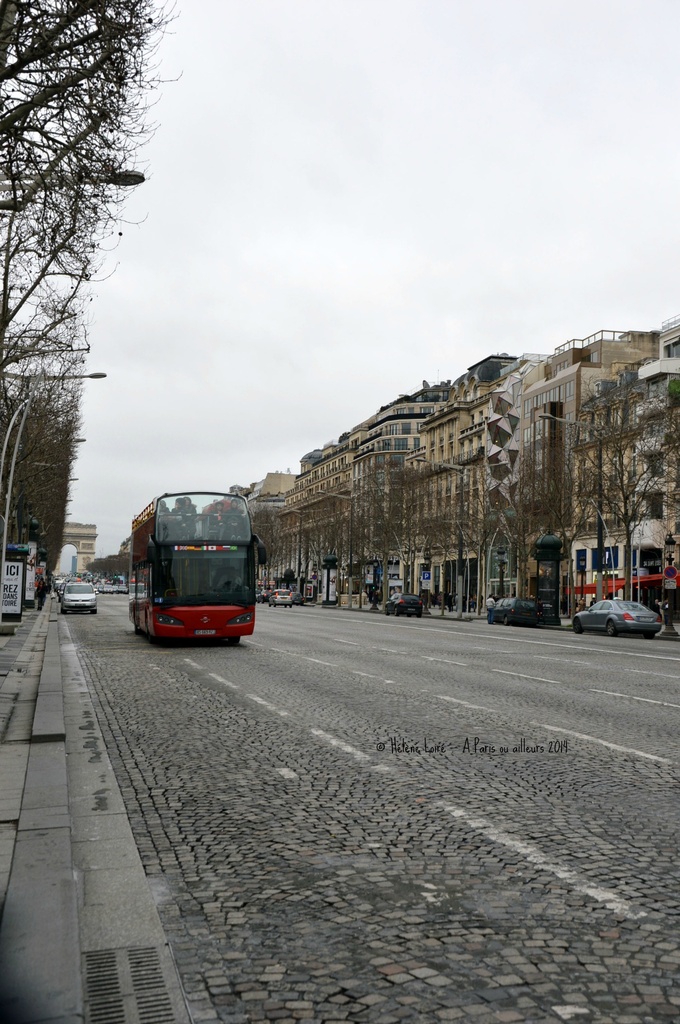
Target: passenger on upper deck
(184, 506)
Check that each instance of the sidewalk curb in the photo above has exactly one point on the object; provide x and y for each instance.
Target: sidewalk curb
(79, 915)
(39, 952)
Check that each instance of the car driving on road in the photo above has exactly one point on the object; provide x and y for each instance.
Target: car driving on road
(614, 617)
(281, 597)
(516, 611)
(79, 597)
(404, 604)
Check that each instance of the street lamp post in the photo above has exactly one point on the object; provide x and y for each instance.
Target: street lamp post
(35, 382)
(501, 571)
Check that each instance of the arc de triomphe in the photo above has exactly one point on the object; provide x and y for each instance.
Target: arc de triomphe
(83, 536)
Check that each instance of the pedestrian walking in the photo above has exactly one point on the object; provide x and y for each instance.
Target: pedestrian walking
(40, 591)
(490, 605)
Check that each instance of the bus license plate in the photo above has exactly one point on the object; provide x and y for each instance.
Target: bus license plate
(204, 632)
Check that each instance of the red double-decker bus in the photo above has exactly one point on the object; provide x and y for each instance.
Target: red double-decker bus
(192, 572)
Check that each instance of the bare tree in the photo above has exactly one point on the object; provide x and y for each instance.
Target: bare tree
(269, 526)
(75, 77)
(110, 565)
(629, 442)
(380, 493)
(45, 456)
(550, 466)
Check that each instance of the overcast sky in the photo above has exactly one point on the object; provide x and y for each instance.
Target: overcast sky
(347, 198)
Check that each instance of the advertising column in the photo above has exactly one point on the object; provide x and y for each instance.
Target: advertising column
(12, 590)
(548, 557)
(330, 575)
(31, 562)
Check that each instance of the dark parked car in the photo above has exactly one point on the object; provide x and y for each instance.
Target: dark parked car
(516, 611)
(297, 597)
(614, 617)
(404, 604)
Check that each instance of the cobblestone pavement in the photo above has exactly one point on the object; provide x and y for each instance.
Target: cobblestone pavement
(325, 842)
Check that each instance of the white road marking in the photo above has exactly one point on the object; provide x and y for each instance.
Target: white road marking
(496, 650)
(193, 663)
(646, 700)
(532, 853)
(334, 742)
(316, 661)
(366, 675)
(611, 651)
(537, 679)
(339, 641)
(444, 661)
(454, 700)
(288, 773)
(604, 743)
(389, 650)
(221, 680)
(567, 661)
(266, 704)
(433, 896)
(569, 1011)
(645, 672)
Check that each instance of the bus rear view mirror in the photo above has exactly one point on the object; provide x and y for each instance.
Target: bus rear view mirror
(261, 550)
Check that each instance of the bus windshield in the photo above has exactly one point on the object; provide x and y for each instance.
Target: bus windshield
(202, 576)
(212, 518)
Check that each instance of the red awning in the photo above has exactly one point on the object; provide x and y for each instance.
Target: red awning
(611, 586)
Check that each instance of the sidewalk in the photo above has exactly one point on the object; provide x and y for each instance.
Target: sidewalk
(80, 936)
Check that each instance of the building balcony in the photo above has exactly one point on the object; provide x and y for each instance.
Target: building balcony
(473, 456)
(474, 428)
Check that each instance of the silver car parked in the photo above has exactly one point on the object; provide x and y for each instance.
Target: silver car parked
(614, 617)
(79, 597)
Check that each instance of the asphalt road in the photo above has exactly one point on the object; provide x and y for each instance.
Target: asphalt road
(351, 817)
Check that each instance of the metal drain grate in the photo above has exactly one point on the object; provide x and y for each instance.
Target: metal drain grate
(126, 986)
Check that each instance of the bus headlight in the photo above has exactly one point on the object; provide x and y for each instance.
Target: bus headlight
(167, 620)
(241, 619)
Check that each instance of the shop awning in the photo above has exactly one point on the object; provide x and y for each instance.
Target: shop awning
(611, 586)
